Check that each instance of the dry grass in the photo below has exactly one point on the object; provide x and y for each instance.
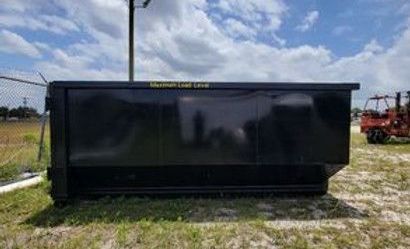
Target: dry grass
(368, 206)
(19, 144)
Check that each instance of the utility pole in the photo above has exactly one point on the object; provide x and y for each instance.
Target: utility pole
(25, 101)
(132, 8)
(131, 40)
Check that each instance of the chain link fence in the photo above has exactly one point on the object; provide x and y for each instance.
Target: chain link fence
(24, 133)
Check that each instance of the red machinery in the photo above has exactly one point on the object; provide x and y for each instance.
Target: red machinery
(379, 126)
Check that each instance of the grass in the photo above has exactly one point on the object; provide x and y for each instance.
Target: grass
(368, 206)
(19, 145)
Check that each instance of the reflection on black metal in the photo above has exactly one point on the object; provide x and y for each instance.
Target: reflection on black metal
(119, 138)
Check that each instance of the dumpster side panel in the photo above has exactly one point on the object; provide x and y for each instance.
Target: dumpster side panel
(113, 127)
(139, 127)
(208, 127)
(304, 127)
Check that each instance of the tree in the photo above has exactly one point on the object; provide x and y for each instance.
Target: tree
(356, 110)
(14, 113)
(4, 112)
(24, 112)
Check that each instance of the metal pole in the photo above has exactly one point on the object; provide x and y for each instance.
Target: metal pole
(21, 81)
(131, 40)
(398, 101)
(43, 122)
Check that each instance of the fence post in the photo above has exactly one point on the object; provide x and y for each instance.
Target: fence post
(43, 122)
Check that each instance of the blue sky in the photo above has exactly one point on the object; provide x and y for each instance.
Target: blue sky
(223, 40)
(345, 27)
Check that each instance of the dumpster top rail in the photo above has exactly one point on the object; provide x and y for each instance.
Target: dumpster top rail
(207, 85)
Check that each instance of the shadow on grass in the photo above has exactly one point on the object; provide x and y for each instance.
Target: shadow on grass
(117, 210)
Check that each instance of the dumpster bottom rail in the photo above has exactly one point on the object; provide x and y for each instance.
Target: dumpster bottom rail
(169, 181)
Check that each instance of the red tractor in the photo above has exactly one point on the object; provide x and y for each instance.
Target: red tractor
(379, 125)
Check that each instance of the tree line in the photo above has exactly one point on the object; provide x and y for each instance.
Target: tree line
(21, 112)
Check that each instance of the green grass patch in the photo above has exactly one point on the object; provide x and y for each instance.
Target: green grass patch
(367, 207)
(19, 146)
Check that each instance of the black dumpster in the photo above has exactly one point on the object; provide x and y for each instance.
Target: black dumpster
(160, 138)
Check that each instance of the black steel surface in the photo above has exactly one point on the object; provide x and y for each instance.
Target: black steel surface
(148, 137)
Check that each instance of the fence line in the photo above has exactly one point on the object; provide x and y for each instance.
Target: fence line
(23, 120)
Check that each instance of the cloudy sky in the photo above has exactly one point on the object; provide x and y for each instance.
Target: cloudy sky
(365, 41)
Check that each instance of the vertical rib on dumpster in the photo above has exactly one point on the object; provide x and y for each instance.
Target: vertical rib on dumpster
(58, 170)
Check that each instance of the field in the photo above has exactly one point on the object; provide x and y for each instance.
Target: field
(19, 145)
(368, 206)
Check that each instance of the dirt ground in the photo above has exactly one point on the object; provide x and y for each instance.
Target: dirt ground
(368, 206)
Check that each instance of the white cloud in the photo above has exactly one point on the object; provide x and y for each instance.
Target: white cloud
(252, 17)
(310, 19)
(34, 15)
(237, 29)
(13, 43)
(178, 40)
(255, 11)
(50, 23)
(373, 46)
(57, 24)
(42, 46)
(98, 17)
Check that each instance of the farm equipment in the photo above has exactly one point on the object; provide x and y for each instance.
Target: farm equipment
(379, 125)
